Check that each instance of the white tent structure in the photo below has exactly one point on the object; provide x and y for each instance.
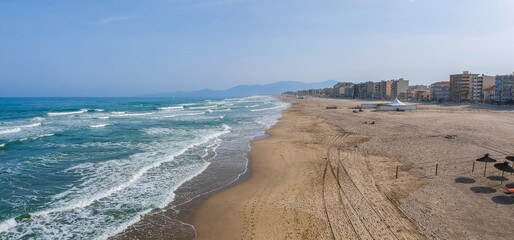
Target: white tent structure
(396, 102)
(396, 105)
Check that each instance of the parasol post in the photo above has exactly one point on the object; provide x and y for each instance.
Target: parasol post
(485, 168)
(502, 176)
(473, 169)
(436, 166)
(396, 172)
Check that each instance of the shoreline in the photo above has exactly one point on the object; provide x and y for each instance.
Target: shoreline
(174, 220)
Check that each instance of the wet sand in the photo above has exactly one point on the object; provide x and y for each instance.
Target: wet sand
(326, 174)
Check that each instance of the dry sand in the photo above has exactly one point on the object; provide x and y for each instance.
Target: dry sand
(325, 174)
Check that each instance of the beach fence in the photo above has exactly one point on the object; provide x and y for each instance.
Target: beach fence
(455, 167)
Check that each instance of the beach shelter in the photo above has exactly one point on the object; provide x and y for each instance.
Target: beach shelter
(505, 167)
(485, 159)
(396, 102)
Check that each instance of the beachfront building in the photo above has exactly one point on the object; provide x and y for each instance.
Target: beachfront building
(480, 83)
(503, 89)
(376, 90)
(440, 91)
(343, 90)
(399, 88)
(418, 93)
(461, 87)
(370, 89)
(384, 89)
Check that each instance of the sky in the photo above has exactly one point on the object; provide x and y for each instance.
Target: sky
(64, 48)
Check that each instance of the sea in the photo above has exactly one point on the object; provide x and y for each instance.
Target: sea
(87, 168)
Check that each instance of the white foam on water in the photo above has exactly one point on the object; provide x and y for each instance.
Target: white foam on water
(19, 128)
(66, 113)
(171, 108)
(98, 110)
(138, 114)
(184, 114)
(118, 113)
(87, 209)
(2, 145)
(164, 131)
(92, 198)
(7, 224)
(31, 125)
(10, 130)
(125, 114)
(99, 125)
(103, 117)
(38, 119)
(203, 107)
(35, 137)
(266, 109)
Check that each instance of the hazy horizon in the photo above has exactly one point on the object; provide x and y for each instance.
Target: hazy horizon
(132, 48)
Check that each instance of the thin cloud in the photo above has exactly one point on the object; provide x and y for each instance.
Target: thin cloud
(117, 19)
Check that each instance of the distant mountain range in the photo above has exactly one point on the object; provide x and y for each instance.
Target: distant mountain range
(250, 90)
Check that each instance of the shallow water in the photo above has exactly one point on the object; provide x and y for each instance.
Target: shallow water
(89, 167)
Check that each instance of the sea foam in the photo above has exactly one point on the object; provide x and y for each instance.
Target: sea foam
(99, 125)
(66, 113)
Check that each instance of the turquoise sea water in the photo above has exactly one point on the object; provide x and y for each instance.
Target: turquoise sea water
(86, 168)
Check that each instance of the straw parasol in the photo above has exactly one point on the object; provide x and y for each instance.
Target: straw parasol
(505, 167)
(486, 159)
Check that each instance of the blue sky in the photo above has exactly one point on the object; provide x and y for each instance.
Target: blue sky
(130, 48)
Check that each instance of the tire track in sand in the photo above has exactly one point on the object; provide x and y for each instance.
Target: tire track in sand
(356, 210)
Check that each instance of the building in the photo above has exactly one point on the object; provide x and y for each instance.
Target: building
(384, 89)
(440, 91)
(488, 94)
(399, 88)
(461, 87)
(343, 90)
(480, 83)
(426, 95)
(503, 89)
(370, 89)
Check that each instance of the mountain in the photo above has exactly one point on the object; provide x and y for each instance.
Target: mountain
(249, 90)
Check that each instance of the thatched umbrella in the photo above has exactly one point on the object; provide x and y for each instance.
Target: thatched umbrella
(510, 158)
(505, 167)
(486, 159)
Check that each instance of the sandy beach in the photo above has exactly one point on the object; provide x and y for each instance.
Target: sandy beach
(331, 174)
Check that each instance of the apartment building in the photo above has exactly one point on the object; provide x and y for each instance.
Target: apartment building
(503, 89)
(440, 91)
(480, 83)
(461, 87)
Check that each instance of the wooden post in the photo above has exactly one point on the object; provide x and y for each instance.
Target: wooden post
(473, 169)
(396, 172)
(502, 177)
(485, 168)
(436, 166)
